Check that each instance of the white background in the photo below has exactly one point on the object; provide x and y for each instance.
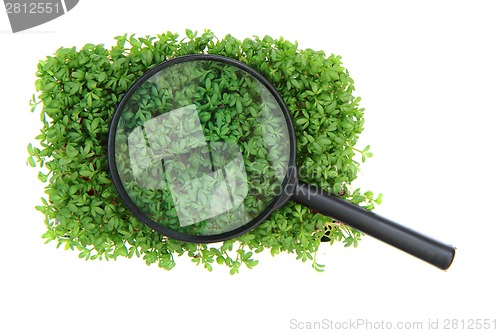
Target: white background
(428, 73)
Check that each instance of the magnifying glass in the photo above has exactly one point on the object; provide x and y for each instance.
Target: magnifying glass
(202, 149)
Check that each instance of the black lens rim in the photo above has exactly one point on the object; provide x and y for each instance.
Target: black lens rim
(288, 185)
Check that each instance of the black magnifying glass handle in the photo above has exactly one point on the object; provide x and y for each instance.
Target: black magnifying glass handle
(421, 246)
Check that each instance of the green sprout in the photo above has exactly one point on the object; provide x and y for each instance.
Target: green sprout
(77, 92)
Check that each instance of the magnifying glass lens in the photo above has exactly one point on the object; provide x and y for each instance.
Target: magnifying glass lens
(201, 148)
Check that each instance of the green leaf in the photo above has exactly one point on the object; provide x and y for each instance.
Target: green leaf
(134, 42)
(95, 124)
(99, 210)
(78, 75)
(302, 121)
(31, 161)
(147, 56)
(324, 142)
(234, 270)
(101, 77)
(86, 173)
